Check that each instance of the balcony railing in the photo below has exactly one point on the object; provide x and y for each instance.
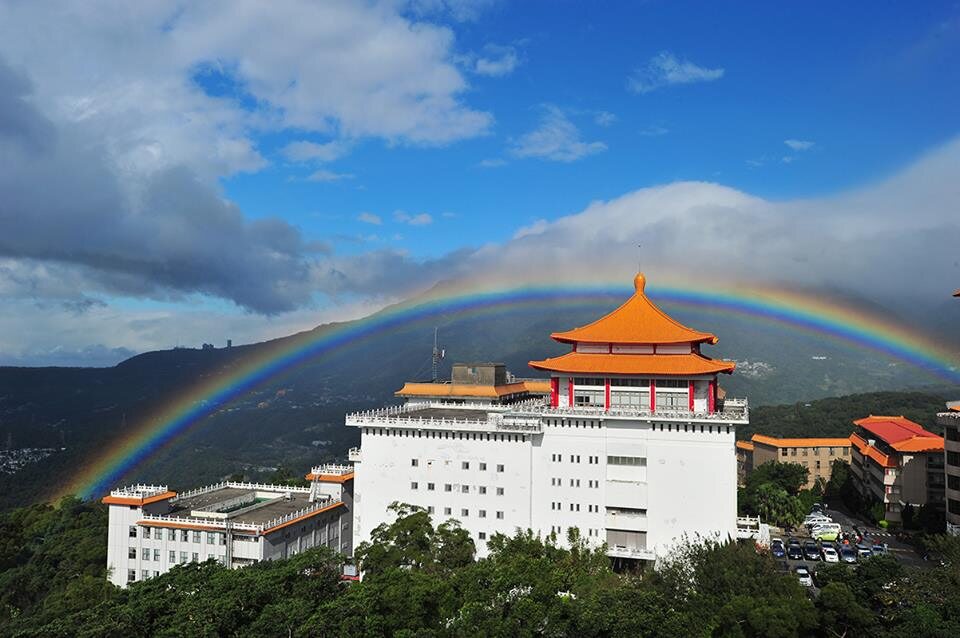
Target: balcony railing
(622, 551)
(733, 410)
(139, 491)
(953, 530)
(332, 469)
(265, 487)
(354, 455)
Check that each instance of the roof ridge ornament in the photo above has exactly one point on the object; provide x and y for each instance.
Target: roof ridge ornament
(639, 282)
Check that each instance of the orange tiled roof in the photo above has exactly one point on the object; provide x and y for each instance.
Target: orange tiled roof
(669, 364)
(330, 478)
(137, 500)
(902, 434)
(870, 451)
(413, 389)
(805, 442)
(745, 445)
(537, 387)
(637, 321)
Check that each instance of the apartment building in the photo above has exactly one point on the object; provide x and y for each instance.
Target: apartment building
(950, 420)
(633, 445)
(815, 454)
(897, 462)
(152, 529)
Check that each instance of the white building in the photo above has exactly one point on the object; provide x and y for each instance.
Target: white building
(151, 529)
(950, 420)
(634, 445)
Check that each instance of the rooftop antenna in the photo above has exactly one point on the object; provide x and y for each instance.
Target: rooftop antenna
(437, 355)
(639, 264)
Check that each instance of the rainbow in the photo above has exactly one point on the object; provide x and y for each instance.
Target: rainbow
(799, 311)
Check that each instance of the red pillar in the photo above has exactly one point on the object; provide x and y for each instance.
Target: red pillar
(691, 396)
(606, 394)
(712, 397)
(653, 395)
(554, 391)
(570, 391)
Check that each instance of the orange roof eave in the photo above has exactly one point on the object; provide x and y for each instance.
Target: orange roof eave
(745, 445)
(870, 451)
(427, 389)
(800, 442)
(136, 500)
(330, 478)
(634, 364)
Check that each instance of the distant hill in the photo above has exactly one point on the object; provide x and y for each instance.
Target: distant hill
(297, 418)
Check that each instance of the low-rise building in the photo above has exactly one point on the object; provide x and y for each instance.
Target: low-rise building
(744, 460)
(815, 454)
(897, 462)
(152, 529)
(950, 420)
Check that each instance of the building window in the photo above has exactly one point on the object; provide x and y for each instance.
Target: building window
(953, 458)
(483, 467)
(144, 574)
(465, 465)
(482, 535)
(413, 485)
(157, 533)
(464, 512)
(184, 535)
(131, 552)
(482, 513)
(672, 400)
(499, 491)
(430, 509)
(210, 557)
(211, 538)
(482, 489)
(430, 487)
(195, 557)
(447, 511)
(133, 531)
(172, 534)
(183, 557)
(953, 482)
(173, 557)
(499, 468)
(500, 515)
(156, 555)
(415, 462)
(196, 537)
(783, 451)
(448, 487)
(131, 575)
(145, 553)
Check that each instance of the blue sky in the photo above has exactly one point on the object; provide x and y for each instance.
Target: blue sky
(182, 170)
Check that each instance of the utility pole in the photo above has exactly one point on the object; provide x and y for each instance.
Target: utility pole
(437, 355)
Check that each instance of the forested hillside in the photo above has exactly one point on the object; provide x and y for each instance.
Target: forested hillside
(423, 580)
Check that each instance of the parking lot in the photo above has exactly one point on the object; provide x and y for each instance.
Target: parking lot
(872, 535)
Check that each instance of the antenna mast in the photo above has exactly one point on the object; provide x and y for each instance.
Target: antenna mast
(437, 355)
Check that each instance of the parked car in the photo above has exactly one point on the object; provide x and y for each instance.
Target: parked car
(829, 555)
(864, 551)
(878, 549)
(811, 551)
(848, 554)
(803, 575)
(794, 552)
(777, 548)
(817, 520)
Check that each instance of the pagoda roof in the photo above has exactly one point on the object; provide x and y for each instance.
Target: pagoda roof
(901, 434)
(634, 364)
(637, 321)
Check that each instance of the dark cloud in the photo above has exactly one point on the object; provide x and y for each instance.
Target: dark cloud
(164, 234)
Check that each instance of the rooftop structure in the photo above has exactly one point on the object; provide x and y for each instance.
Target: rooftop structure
(897, 462)
(152, 528)
(569, 452)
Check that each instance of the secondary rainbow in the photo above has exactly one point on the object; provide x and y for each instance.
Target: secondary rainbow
(800, 311)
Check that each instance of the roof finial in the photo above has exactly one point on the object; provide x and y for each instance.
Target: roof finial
(639, 281)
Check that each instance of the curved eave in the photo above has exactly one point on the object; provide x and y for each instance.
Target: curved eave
(569, 337)
(634, 364)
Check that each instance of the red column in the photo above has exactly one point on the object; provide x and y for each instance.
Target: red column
(712, 397)
(570, 391)
(606, 398)
(653, 395)
(554, 391)
(691, 396)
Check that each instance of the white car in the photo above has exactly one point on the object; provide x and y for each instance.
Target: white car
(830, 555)
(803, 575)
(813, 522)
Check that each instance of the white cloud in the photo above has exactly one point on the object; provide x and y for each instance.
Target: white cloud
(665, 69)
(787, 159)
(799, 145)
(536, 228)
(323, 175)
(494, 162)
(421, 219)
(556, 138)
(497, 61)
(653, 131)
(370, 218)
(604, 118)
(306, 151)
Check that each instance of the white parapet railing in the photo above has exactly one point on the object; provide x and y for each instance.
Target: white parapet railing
(138, 491)
(622, 551)
(222, 523)
(354, 455)
(953, 529)
(734, 410)
(332, 468)
(262, 487)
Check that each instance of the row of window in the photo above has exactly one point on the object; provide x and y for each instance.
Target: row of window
(557, 506)
(145, 554)
(627, 460)
(831, 451)
(448, 487)
(953, 458)
(184, 535)
(575, 458)
(689, 427)
(464, 465)
(951, 434)
(558, 530)
(634, 383)
(953, 482)
(573, 423)
(464, 512)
